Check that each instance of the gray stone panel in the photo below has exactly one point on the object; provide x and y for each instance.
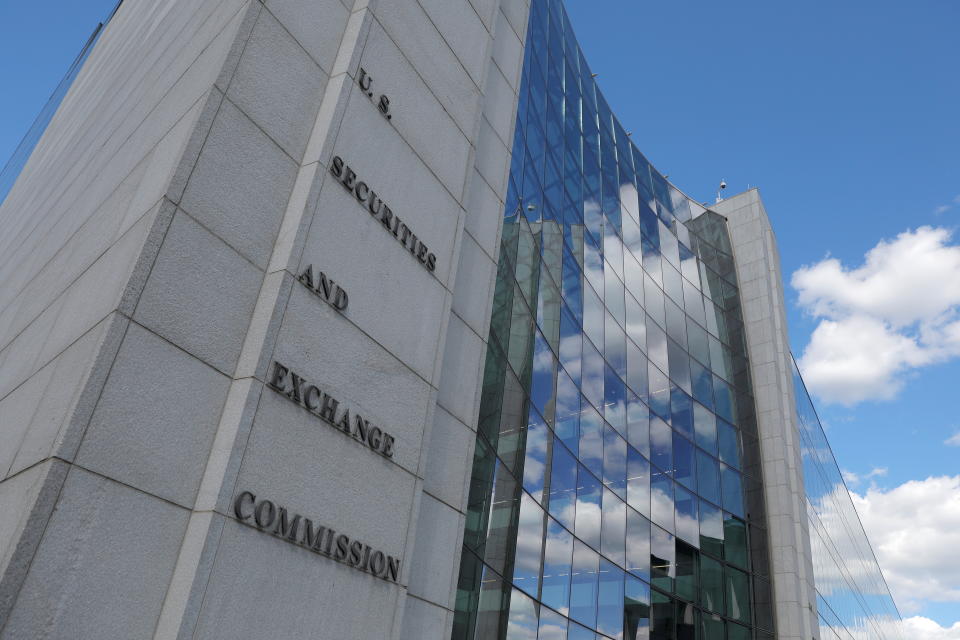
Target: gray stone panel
(211, 288)
(278, 85)
(433, 576)
(425, 621)
(262, 587)
(60, 397)
(26, 500)
(295, 459)
(240, 185)
(317, 25)
(102, 567)
(393, 298)
(415, 34)
(448, 465)
(325, 349)
(430, 131)
(155, 421)
(16, 413)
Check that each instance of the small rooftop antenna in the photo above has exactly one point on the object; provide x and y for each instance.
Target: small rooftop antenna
(723, 185)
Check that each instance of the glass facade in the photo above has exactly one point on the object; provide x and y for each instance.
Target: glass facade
(615, 489)
(852, 597)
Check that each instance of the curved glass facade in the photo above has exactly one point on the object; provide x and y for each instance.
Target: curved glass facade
(853, 599)
(615, 489)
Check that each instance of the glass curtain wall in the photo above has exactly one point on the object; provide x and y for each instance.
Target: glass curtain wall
(853, 599)
(615, 488)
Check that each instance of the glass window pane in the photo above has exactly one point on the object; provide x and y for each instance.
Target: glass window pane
(578, 632)
(702, 383)
(687, 569)
(636, 370)
(614, 461)
(732, 490)
(610, 600)
(638, 544)
(686, 621)
(711, 529)
(522, 624)
(683, 462)
(614, 528)
(614, 401)
(571, 344)
(736, 632)
(681, 411)
(661, 500)
(535, 463)
(638, 482)
(711, 584)
(705, 425)
(613, 294)
(729, 444)
(567, 424)
(661, 617)
(659, 391)
(615, 346)
(583, 585)
(662, 558)
(557, 558)
(591, 440)
(661, 444)
(657, 346)
(526, 567)
(738, 595)
(553, 626)
(688, 526)
(708, 477)
(588, 508)
(638, 425)
(711, 627)
(490, 606)
(637, 321)
(735, 540)
(592, 374)
(563, 486)
(636, 609)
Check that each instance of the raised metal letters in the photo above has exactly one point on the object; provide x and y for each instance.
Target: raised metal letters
(383, 103)
(379, 209)
(294, 388)
(292, 527)
(324, 287)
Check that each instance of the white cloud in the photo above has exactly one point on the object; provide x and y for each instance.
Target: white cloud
(879, 322)
(953, 441)
(915, 532)
(854, 479)
(943, 208)
(920, 628)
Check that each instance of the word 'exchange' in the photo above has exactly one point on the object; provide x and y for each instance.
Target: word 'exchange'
(293, 387)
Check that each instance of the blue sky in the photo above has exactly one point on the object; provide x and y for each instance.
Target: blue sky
(845, 114)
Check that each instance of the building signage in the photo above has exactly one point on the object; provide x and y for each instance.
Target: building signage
(325, 288)
(383, 102)
(272, 518)
(379, 210)
(291, 386)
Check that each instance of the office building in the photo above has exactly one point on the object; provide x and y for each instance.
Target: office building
(367, 319)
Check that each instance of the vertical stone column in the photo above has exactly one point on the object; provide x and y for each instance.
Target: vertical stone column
(447, 453)
(765, 325)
